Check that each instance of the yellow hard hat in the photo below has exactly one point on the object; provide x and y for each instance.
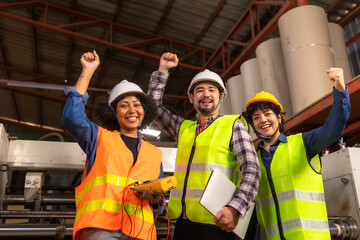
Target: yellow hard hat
(263, 97)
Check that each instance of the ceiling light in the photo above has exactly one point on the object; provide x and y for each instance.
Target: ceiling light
(46, 86)
(35, 85)
(150, 132)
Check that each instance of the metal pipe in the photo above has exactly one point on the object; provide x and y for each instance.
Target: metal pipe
(32, 230)
(344, 229)
(45, 199)
(302, 3)
(36, 214)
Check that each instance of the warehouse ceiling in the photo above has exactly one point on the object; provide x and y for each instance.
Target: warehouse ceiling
(41, 43)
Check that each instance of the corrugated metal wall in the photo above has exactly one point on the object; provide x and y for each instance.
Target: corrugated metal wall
(353, 49)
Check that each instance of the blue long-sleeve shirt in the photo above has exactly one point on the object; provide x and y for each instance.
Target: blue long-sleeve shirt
(83, 130)
(321, 137)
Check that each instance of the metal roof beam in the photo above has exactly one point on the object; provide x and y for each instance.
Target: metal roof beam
(157, 29)
(39, 93)
(15, 105)
(118, 10)
(164, 16)
(41, 119)
(209, 22)
(32, 74)
(353, 39)
(334, 6)
(34, 42)
(111, 25)
(32, 126)
(220, 55)
(351, 15)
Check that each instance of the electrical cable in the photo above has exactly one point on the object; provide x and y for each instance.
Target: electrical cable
(121, 212)
(168, 218)
(142, 215)
(37, 189)
(152, 226)
(123, 201)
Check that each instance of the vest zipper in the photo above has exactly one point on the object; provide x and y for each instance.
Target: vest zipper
(276, 201)
(185, 181)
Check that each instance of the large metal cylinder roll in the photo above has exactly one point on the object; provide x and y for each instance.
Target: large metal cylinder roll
(273, 73)
(236, 96)
(251, 83)
(307, 53)
(339, 49)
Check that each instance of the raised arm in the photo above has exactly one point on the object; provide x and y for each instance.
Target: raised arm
(168, 121)
(335, 124)
(89, 61)
(74, 117)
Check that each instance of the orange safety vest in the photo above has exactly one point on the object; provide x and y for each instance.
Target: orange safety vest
(103, 199)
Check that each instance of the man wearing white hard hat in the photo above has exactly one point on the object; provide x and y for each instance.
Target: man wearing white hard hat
(117, 157)
(212, 141)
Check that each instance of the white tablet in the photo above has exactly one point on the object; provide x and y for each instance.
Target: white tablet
(218, 192)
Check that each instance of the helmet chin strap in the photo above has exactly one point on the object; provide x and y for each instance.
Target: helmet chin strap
(216, 107)
(270, 137)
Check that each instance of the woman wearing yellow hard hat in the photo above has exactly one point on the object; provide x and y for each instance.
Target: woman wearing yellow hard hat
(290, 201)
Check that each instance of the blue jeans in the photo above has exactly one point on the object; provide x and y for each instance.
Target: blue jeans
(102, 234)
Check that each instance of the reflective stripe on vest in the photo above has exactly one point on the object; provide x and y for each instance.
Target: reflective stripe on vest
(190, 193)
(208, 167)
(211, 150)
(101, 180)
(316, 225)
(292, 194)
(115, 207)
(299, 194)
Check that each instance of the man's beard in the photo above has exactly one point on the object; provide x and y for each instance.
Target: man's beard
(207, 110)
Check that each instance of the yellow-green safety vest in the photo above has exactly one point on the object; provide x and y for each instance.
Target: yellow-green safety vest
(299, 200)
(196, 157)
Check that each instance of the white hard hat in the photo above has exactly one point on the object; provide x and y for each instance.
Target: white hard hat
(123, 87)
(209, 76)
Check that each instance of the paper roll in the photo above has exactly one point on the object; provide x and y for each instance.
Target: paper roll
(251, 83)
(225, 107)
(303, 26)
(273, 73)
(339, 49)
(305, 41)
(236, 96)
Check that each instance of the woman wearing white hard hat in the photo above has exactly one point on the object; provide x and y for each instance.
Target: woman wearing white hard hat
(117, 157)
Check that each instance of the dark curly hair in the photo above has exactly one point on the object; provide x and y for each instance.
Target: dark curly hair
(107, 117)
(262, 106)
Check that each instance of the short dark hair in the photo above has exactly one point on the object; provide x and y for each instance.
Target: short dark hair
(262, 106)
(106, 113)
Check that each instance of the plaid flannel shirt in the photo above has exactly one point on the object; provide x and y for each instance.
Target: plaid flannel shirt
(240, 144)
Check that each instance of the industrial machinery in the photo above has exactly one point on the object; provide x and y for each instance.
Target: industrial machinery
(341, 176)
(37, 181)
